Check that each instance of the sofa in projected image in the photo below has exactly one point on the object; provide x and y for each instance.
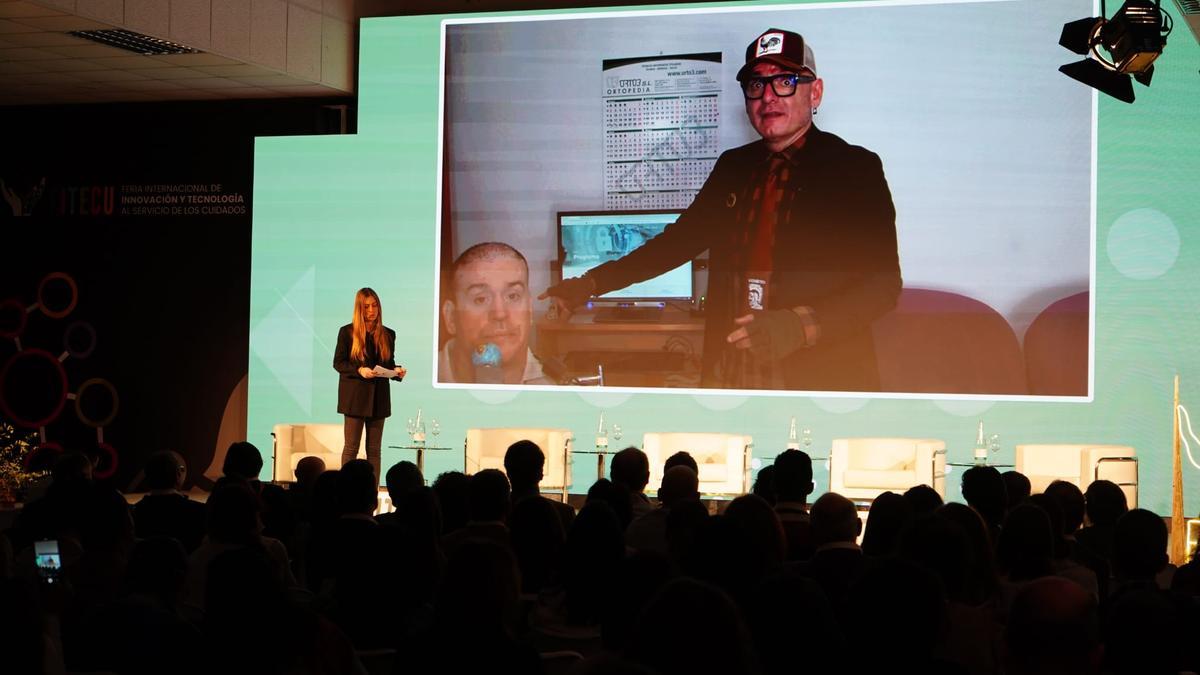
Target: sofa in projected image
(943, 342)
(294, 442)
(1081, 464)
(723, 460)
(864, 468)
(1056, 348)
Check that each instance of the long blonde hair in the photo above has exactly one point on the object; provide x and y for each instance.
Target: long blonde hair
(358, 331)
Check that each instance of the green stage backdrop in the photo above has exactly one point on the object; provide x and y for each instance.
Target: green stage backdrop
(334, 213)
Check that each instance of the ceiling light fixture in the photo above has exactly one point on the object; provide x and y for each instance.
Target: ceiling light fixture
(134, 42)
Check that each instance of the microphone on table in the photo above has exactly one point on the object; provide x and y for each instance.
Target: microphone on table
(486, 362)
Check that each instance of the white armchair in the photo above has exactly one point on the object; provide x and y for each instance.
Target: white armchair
(723, 459)
(485, 448)
(864, 468)
(1080, 464)
(294, 442)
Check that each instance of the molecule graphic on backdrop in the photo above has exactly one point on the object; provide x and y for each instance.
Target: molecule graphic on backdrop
(34, 389)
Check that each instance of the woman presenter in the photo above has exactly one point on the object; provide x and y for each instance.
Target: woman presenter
(364, 348)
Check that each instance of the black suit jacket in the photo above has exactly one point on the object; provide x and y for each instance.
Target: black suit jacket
(835, 251)
(357, 395)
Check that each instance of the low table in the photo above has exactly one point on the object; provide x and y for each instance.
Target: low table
(973, 464)
(420, 453)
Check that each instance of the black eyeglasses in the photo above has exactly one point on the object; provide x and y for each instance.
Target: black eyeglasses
(783, 84)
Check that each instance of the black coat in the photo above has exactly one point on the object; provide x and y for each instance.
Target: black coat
(835, 251)
(358, 396)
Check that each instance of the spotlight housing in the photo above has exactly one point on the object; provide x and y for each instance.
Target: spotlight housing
(1131, 40)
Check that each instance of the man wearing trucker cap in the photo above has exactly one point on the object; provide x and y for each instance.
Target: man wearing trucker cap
(801, 234)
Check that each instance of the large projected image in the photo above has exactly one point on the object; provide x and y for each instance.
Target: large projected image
(812, 199)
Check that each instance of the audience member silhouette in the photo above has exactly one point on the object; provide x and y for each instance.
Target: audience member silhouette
(26, 633)
(631, 470)
(1105, 504)
(145, 631)
(1139, 550)
(1052, 629)
(417, 528)
(488, 502)
(251, 627)
(616, 496)
(56, 514)
(888, 516)
(939, 545)
(476, 617)
(983, 489)
(402, 478)
(233, 523)
(725, 555)
(692, 627)
(1187, 578)
(595, 546)
(794, 626)
(524, 462)
(1144, 634)
(244, 463)
(106, 539)
(165, 511)
(792, 483)
(682, 458)
(300, 494)
(1016, 487)
(764, 484)
(1071, 502)
(1064, 565)
(838, 560)
(981, 581)
(649, 532)
(636, 580)
(902, 607)
(1025, 550)
(307, 470)
(923, 499)
(758, 520)
(452, 489)
(363, 595)
(684, 520)
(537, 537)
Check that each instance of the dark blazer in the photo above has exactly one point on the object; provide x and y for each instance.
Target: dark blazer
(358, 396)
(835, 251)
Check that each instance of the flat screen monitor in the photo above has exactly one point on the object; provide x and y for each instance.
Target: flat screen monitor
(588, 239)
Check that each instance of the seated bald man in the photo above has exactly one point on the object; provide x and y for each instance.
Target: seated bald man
(488, 312)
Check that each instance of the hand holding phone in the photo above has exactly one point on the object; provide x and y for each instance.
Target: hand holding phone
(48, 560)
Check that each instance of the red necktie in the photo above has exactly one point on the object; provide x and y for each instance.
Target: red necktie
(759, 263)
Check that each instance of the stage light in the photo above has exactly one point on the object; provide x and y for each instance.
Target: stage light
(1133, 38)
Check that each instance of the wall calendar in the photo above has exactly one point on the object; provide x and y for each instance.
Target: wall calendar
(661, 129)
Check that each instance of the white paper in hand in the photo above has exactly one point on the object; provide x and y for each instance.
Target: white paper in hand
(380, 371)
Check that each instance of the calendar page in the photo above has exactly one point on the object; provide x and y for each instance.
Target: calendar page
(661, 129)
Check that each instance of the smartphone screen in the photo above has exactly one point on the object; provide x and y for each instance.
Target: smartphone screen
(49, 561)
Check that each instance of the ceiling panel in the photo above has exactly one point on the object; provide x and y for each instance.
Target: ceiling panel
(17, 9)
(44, 39)
(62, 23)
(41, 63)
